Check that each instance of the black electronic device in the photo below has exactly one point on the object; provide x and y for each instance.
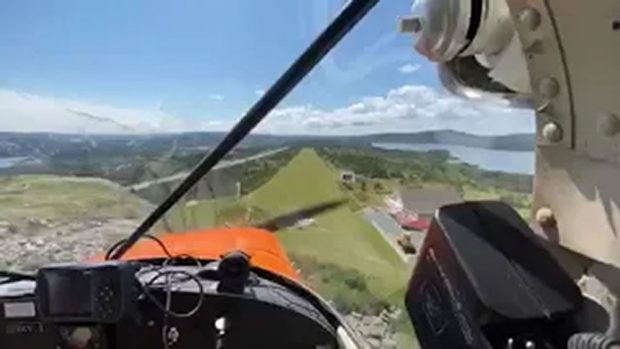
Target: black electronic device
(483, 281)
(20, 328)
(91, 293)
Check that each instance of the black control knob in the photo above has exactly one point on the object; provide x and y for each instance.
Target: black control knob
(234, 271)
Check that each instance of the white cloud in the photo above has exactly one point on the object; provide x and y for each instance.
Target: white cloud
(260, 92)
(23, 112)
(404, 109)
(216, 97)
(409, 68)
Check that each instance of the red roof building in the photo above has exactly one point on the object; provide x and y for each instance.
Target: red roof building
(411, 221)
(414, 209)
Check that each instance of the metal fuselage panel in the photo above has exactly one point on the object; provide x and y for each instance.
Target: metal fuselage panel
(580, 183)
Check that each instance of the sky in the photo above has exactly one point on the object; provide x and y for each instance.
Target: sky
(147, 66)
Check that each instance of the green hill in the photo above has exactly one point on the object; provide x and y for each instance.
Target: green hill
(47, 197)
(338, 239)
(341, 256)
(340, 243)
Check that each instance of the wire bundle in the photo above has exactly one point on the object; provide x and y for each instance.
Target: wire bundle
(170, 280)
(117, 244)
(166, 308)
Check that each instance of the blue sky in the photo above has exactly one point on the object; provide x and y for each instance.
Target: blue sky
(161, 65)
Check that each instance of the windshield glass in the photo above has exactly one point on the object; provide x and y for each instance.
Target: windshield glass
(105, 108)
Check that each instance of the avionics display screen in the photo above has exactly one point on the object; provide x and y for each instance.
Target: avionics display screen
(69, 293)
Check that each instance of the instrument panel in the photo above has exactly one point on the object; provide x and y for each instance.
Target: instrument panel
(264, 314)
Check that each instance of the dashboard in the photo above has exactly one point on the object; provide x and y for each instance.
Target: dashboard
(178, 311)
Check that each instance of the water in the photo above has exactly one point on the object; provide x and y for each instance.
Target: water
(488, 159)
(12, 161)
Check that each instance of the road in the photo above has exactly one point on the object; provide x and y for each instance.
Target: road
(391, 230)
(384, 222)
(224, 164)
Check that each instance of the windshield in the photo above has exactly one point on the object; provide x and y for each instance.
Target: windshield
(105, 109)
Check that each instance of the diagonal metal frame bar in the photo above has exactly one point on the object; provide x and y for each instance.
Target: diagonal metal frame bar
(346, 20)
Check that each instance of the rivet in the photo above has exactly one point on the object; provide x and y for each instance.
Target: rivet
(531, 18)
(552, 132)
(549, 87)
(545, 217)
(608, 125)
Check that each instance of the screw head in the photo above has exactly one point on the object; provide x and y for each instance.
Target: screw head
(173, 335)
(549, 87)
(531, 18)
(552, 132)
(608, 125)
(545, 217)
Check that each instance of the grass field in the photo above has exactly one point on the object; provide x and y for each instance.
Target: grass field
(64, 198)
(187, 215)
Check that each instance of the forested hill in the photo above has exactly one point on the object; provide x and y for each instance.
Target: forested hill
(43, 145)
(515, 142)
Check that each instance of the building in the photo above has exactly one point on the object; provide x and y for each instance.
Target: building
(347, 177)
(417, 206)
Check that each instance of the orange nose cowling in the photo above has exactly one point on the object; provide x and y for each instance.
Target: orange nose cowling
(263, 247)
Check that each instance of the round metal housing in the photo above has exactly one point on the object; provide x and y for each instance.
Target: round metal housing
(446, 27)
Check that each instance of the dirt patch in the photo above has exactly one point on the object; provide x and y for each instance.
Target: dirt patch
(44, 242)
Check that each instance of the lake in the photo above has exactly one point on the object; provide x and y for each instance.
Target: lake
(18, 160)
(488, 159)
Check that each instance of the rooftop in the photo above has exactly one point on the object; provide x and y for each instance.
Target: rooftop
(427, 200)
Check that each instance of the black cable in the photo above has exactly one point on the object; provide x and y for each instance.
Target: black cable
(13, 276)
(165, 326)
(182, 256)
(168, 306)
(165, 308)
(146, 236)
(344, 22)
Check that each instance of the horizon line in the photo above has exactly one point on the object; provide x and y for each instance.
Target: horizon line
(347, 135)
